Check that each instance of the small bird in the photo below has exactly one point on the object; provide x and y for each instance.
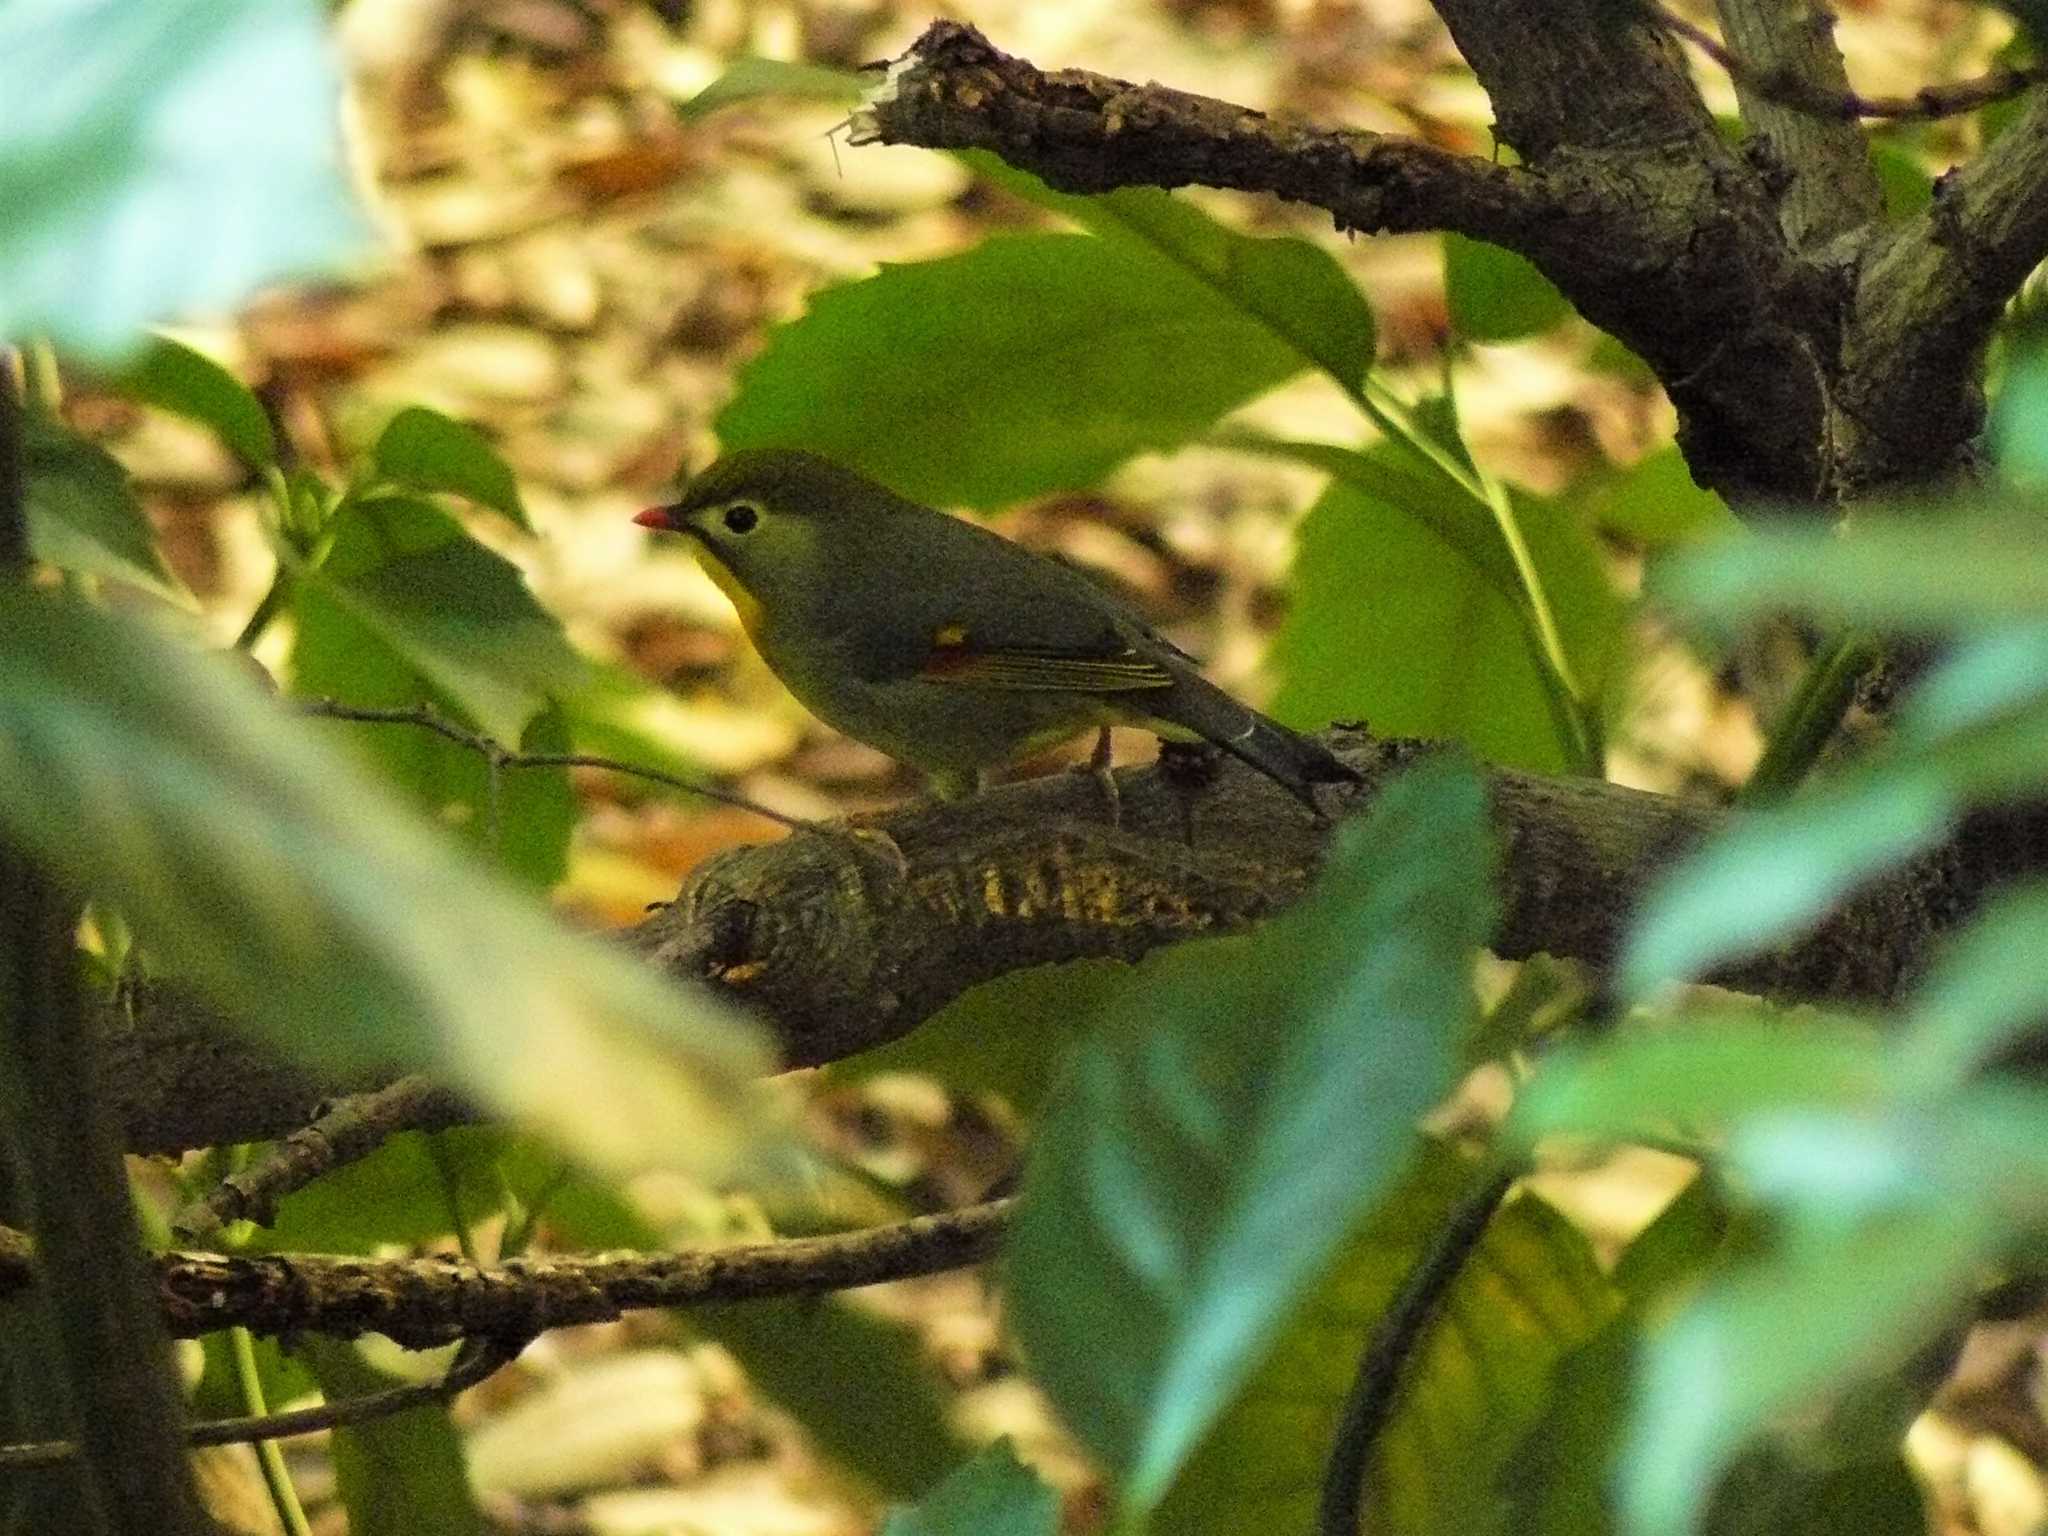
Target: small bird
(943, 644)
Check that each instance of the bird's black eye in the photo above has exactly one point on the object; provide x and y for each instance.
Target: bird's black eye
(741, 517)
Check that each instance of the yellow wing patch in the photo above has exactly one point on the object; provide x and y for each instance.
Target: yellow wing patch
(954, 661)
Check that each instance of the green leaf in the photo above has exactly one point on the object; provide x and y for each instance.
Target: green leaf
(1296, 290)
(1478, 1383)
(1985, 993)
(748, 79)
(1931, 570)
(173, 377)
(1908, 186)
(397, 1475)
(457, 612)
(1771, 873)
(1449, 654)
(82, 513)
(1704, 1074)
(324, 918)
(1028, 364)
(161, 159)
(426, 451)
(395, 1195)
(337, 655)
(1212, 1141)
(1656, 502)
(1008, 1036)
(993, 1495)
(1496, 294)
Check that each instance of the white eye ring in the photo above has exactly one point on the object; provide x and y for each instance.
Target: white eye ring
(742, 517)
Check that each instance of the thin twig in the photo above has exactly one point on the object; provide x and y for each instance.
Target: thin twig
(345, 1130)
(1928, 102)
(498, 757)
(1387, 1352)
(477, 1360)
(420, 1302)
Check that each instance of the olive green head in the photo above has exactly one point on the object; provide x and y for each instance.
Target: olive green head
(775, 522)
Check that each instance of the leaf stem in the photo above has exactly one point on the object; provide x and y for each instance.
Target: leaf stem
(1811, 719)
(269, 1454)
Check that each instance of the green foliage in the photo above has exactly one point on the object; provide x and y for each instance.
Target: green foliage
(423, 449)
(1656, 502)
(1496, 294)
(171, 376)
(1211, 1142)
(82, 515)
(128, 198)
(1415, 582)
(749, 79)
(1030, 363)
(319, 914)
(400, 1474)
(1482, 1379)
(993, 1495)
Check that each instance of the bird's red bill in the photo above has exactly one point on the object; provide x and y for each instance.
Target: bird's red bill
(652, 517)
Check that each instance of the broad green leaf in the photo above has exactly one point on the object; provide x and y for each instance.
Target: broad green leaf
(173, 377)
(1213, 1140)
(747, 79)
(318, 914)
(1030, 363)
(1908, 185)
(82, 514)
(1767, 1338)
(162, 159)
(395, 1195)
(1985, 993)
(1770, 874)
(1981, 679)
(425, 451)
(456, 611)
(1293, 288)
(1655, 501)
(399, 1475)
(1391, 624)
(993, 1495)
(1477, 1384)
(1496, 294)
(1929, 570)
(337, 655)
(1008, 1036)
(1700, 1075)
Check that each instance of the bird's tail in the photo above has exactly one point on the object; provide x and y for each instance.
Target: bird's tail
(1197, 707)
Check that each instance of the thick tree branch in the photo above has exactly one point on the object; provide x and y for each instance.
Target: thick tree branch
(1832, 185)
(1083, 132)
(421, 1303)
(1928, 298)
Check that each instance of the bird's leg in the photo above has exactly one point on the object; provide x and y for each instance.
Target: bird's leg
(1188, 767)
(1098, 768)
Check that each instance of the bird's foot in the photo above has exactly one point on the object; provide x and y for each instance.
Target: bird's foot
(1098, 768)
(1188, 767)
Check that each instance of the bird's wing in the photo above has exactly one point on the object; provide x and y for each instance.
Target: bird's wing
(1108, 662)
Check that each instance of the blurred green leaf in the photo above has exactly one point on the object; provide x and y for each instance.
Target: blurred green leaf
(399, 1475)
(1496, 294)
(162, 159)
(1292, 287)
(1986, 992)
(1009, 1036)
(173, 377)
(993, 1495)
(1028, 364)
(747, 79)
(1908, 184)
(1702, 1076)
(1448, 654)
(336, 654)
(1769, 874)
(1672, 1250)
(1478, 1382)
(1934, 569)
(456, 611)
(218, 1393)
(1976, 682)
(424, 450)
(395, 1195)
(1194, 1174)
(318, 914)
(82, 514)
(1656, 502)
